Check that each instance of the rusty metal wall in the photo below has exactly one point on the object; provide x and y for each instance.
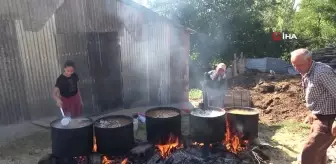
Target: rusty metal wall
(132, 53)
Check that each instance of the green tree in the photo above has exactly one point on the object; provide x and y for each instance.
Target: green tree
(314, 22)
(225, 27)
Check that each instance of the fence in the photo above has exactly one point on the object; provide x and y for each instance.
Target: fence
(125, 55)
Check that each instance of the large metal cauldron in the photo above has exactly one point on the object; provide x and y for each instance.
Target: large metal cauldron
(114, 134)
(73, 140)
(207, 126)
(244, 121)
(161, 129)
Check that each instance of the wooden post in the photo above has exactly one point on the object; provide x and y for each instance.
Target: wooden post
(234, 65)
(242, 63)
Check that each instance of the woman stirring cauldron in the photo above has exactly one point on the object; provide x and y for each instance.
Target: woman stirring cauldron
(66, 93)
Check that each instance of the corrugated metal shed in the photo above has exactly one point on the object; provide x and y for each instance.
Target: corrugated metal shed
(126, 55)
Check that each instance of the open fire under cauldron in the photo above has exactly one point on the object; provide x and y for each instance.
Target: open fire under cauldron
(165, 144)
(243, 121)
(207, 126)
(163, 124)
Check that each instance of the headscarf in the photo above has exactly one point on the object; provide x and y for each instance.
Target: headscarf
(221, 67)
(219, 72)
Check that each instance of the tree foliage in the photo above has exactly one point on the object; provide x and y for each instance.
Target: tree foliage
(225, 27)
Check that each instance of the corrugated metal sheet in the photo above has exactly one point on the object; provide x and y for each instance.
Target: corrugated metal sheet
(277, 65)
(259, 64)
(125, 55)
(267, 64)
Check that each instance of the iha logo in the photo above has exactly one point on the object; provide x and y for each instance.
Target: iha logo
(277, 36)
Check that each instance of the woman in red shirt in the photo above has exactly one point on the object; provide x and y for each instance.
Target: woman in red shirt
(66, 93)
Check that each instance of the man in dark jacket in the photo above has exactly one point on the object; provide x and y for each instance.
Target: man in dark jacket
(214, 86)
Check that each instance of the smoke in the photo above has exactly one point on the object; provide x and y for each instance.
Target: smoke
(153, 49)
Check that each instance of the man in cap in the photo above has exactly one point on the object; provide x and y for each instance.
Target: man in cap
(214, 86)
(319, 83)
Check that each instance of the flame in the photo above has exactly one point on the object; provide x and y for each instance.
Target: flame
(105, 160)
(233, 142)
(166, 149)
(124, 161)
(94, 149)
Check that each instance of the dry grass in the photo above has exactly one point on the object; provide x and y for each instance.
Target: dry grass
(287, 138)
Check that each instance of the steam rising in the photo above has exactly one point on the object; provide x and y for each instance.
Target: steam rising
(207, 113)
(149, 44)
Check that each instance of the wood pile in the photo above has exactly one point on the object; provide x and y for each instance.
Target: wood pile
(326, 55)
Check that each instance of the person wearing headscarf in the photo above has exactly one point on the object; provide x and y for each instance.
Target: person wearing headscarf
(214, 86)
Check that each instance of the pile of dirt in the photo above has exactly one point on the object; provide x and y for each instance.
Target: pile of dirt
(279, 97)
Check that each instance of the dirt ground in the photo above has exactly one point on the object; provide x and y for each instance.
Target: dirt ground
(279, 97)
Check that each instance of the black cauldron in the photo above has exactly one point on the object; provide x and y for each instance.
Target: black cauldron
(115, 140)
(160, 130)
(243, 121)
(207, 126)
(73, 140)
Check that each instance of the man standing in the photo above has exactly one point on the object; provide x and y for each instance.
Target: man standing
(214, 86)
(319, 82)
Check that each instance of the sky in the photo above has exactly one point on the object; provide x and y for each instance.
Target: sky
(142, 2)
(297, 3)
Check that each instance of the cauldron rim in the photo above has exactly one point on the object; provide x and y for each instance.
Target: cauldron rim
(113, 116)
(224, 112)
(59, 119)
(162, 107)
(227, 109)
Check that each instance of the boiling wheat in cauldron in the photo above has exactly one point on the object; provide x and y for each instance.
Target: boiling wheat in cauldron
(74, 123)
(162, 113)
(242, 111)
(112, 122)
